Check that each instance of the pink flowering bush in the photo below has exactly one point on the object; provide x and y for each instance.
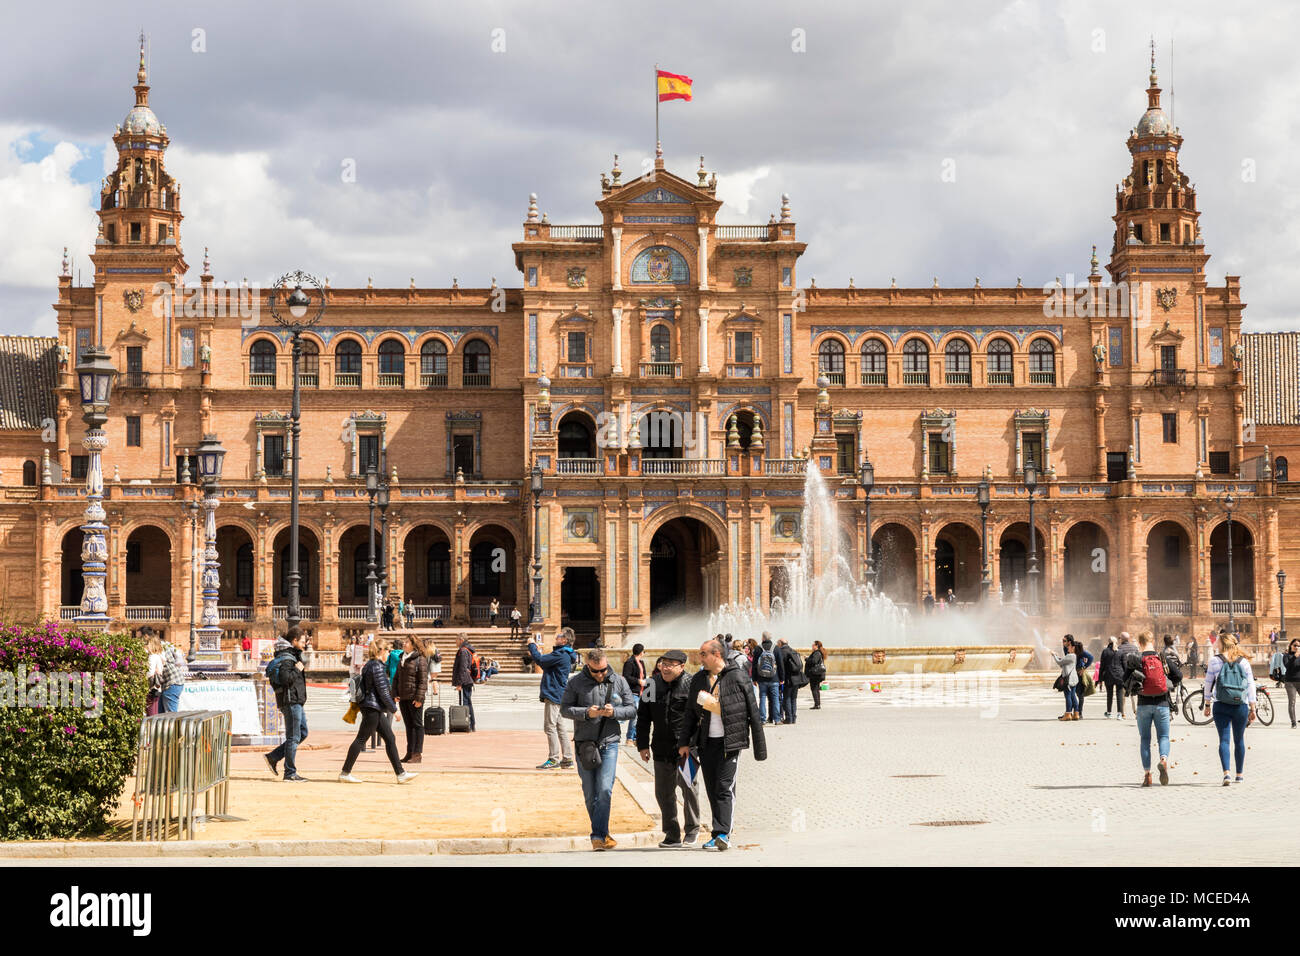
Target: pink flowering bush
(63, 767)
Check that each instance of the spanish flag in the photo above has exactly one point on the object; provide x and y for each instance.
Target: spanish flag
(673, 86)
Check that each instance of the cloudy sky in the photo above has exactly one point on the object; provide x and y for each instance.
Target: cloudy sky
(452, 113)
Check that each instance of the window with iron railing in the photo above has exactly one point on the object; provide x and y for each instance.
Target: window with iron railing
(478, 365)
(1042, 363)
(916, 363)
(873, 362)
(433, 364)
(830, 361)
(956, 363)
(999, 362)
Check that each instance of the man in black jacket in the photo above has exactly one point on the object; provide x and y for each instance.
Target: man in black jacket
(288, 677)
(634, 674)
(663, 711)
(721, 716)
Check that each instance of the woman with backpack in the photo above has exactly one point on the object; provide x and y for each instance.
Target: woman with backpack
(376, 704)
(1148, 677)
(1069, 679)
(1082, 662)
(1291, 676)
(1230, 696)
(815, 669)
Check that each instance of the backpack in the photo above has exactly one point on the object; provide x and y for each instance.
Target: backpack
(475, 668)
(1154, 683)
(1230, 685)
(766, 666)
(273, 669)
(794, 667)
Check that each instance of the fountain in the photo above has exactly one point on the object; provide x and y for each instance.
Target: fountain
(865, 631)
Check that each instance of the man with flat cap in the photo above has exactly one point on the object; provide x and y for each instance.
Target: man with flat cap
(659, 722)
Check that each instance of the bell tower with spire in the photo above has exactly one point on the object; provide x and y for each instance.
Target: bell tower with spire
(139, 203)
(1156, 219)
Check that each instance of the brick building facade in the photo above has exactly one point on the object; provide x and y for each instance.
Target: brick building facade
(672, 378)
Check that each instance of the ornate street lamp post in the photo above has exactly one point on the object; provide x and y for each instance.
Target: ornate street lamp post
(867, 479)
(1228, 504)
(381, 499)
(193, 507)
(297, 311)
(1031, 484)
(986, 577)
(95, 374)
(210, 456)
(372, 488)
(1281, 603)
(535, 607)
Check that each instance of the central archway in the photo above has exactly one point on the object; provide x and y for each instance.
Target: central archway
(685, 570)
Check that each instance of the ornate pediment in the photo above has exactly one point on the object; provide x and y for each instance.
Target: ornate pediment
(134, 335)
(1166, 335)
(659, 195)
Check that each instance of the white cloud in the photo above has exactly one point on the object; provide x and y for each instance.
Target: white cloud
(736, 190)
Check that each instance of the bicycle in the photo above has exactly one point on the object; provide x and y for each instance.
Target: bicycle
(1194, 707)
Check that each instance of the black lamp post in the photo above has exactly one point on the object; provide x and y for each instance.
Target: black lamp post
(210, 457)
(1031, 485)
(867, 479)
(986, 579)
(95, 374)
(1281, 603)
(372, 489)
(381, 499)
(535, 608)
(297, 311)
(1228, 504)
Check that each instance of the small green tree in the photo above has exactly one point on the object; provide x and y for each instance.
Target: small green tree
(63, 767)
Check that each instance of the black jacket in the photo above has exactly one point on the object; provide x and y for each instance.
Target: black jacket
(291, 683)
(1123, 662)
(663, 708)
(460, 673)
(632, 673)
(1107, 663)
(375, 691)
(740, 720)
(814, 665)
(1291, 668)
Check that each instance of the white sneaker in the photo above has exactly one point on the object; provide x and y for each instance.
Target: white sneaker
(406, 777)
(348, 778)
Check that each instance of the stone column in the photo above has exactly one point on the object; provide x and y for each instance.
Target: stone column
(616, 258)
(704, 340)
(617, 368)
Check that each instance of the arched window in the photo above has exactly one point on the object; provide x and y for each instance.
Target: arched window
(347, 363)
(29, 473)
(1280, 469)
(433, 364)
(261, 363)
(999, 366)
(873, 362)
(956, 363)
(1042, 363)
(309, 364)
(478, 364)
(392, 364)
(916, 363)
(661, 344)
(830, 361)
(574, 438)
(439, 569)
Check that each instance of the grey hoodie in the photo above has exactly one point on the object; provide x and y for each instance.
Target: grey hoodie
(585, 691)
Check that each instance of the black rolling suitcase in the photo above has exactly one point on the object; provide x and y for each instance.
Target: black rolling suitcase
(435, 717)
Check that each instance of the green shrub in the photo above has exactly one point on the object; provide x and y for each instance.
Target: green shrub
(62, 769)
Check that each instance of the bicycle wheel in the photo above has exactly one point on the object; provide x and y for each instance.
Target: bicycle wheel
(1264, 707)
(1194, 709)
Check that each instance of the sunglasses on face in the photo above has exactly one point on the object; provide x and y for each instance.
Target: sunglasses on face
(598, 670)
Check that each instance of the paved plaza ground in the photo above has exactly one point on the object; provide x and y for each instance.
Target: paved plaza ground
(863, 780)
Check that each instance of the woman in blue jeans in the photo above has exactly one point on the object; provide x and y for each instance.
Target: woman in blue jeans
(1066, 659)
(1230, 695)
(1082, 661)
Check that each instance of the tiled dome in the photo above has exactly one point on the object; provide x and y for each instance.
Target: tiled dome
(141, 119)
(1154, 122)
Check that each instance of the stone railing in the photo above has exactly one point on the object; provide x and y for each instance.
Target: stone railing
(683, 466)
(1087, 609)
(306, 612)
(354, 612)
(481, 612)
(234, 612)
(742, 232)
(1169, 608)
(580, 233)
(1239, 608)
(579, 466)
(785, 466)
(148, 612)
(432, 612)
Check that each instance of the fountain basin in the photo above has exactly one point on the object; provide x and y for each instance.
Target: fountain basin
(858, 661)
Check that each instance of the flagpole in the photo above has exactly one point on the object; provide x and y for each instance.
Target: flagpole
(656, 78)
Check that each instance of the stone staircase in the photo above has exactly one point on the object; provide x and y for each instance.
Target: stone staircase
(489, 642)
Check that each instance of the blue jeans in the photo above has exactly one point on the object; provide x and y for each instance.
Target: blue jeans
(467, 701)
(1230, 719)
(769, 692)
(170, 702)
(598, 787)
(790, 701)
(631, 724)
(1147, 714)
(1071, 699)
(295, 732)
